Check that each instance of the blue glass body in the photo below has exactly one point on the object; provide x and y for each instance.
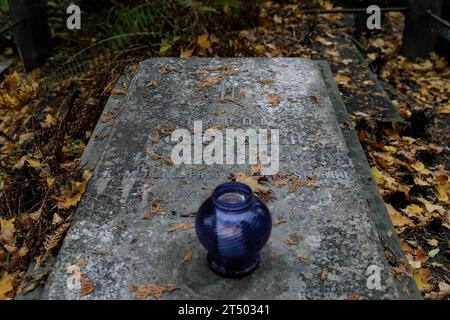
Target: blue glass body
(233, 225)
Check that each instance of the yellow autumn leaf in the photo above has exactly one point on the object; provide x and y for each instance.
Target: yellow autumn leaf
(7, 225)
(422, 278)
(252, 182)
(6, 285)
(23, 250)
(203, 41)
(389, 149)
(186, 53)
(444, 109)
(420, 182)
(378, 175)
(420, 168)
(397, 218)
(50, 181)
(48, 121)
(443, 189)
(342, 79)
(414, 210)
(72, 200)
(87, 175)
(33, 163)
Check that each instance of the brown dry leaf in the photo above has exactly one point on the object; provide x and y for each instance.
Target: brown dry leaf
(211, 81)
(253, 183)
(166, 68)
(158, 157)
(303, 260)
(118, 91)
(432, 207)
(273, 99)
(48, 121)
(86, 285)
(181, 226)
(265, 82)
(279, 220)
(152, 83)
(443, 293)
(256, 169)
(292, 240)
(306, 183)
(323, 41)
(324, 274)
(282, 182)
(142, 292)
(52, 240)
(155, 208)
(57, 219)
(187, 256)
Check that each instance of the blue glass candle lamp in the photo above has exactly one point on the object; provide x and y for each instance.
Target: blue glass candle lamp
(233, 225)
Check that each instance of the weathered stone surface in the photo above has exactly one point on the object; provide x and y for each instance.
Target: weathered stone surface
(338, 242)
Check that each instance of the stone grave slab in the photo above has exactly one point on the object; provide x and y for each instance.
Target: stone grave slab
(338, 253)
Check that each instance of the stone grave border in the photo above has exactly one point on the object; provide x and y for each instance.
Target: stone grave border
(377, 210)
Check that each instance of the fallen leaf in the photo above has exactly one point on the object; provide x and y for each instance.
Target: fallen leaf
(342, 79)
(155, 208)
(292, 239)
(6, 285)
(433, 252)
(70, 201)
(181, 226)
(186, 53)
(252, 182)
(142, 292)
(422, 278)
(273, 99)
(432, 207)
(86, 285)
(397, 218)
(265, 82)
(443, 293)
(203, 41)
(324, 274)
(33, 163)
(207, 83)
(323, 41)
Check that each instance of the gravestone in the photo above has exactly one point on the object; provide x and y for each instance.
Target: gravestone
(134, 225)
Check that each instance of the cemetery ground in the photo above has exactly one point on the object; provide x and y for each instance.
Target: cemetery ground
(46, 123)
